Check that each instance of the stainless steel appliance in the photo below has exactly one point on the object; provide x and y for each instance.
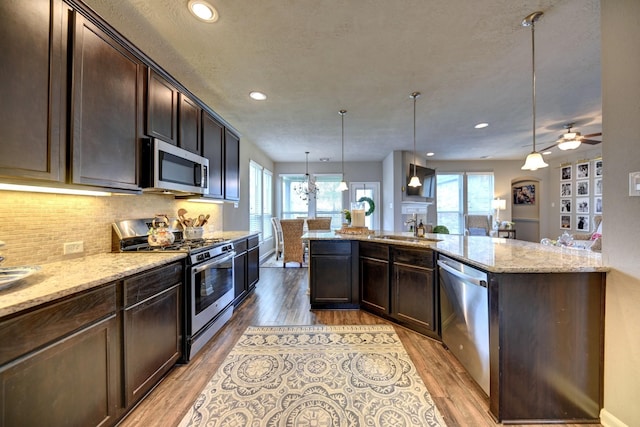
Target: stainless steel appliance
(167, 168)
(464, 310)
(209, 281)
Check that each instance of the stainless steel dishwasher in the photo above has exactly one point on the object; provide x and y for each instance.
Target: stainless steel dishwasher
(464, 310)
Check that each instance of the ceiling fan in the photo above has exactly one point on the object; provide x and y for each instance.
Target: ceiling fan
(571, 140)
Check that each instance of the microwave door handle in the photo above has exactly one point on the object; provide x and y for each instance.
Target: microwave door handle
(204, 178)
(197, 175)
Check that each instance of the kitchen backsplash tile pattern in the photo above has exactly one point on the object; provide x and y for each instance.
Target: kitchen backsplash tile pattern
(35, 226)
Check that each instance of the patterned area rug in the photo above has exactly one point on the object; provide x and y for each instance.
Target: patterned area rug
(316, 376)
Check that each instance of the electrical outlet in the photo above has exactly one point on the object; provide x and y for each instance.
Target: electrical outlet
(73, 248)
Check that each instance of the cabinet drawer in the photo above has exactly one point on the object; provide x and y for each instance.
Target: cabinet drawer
(21, 334)
(326, 247)
(145, 285)
(374, 250)
(254, 241)
(417, 258)
(240, 245)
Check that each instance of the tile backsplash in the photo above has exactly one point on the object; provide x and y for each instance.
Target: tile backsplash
(35, 226)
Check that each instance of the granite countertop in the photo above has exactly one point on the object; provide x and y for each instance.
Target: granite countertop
(496, 255)
(60, 279)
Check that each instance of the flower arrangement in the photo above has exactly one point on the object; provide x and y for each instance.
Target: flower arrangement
(347, 215)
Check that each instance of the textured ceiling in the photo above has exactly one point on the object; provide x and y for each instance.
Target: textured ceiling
(471, 60)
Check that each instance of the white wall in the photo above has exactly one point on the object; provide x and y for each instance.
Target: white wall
(620, 22)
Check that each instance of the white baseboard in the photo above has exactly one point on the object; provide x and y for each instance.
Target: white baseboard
(607, 419)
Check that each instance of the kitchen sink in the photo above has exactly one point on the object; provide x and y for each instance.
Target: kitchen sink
(410, 239)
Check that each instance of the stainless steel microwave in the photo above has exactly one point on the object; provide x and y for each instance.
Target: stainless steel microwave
(169, 169)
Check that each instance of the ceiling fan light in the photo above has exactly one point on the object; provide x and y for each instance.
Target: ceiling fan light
(415, 182)
(569, 145)
(534, 162)
(342, 186)
(570, 135)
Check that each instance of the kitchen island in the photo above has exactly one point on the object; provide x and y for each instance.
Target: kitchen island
(544, 305)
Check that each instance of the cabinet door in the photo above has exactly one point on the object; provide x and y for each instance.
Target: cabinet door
(32, 84)
(330, 279)
(413, 289)
(213, 149)
(189, 125)
(240, 276)
(231, 166)
(253, 267)
(374, 284)
(107, 107)
(162, 108)
(152, 331)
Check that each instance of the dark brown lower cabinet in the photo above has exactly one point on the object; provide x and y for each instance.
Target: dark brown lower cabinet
(374, 278)
(60, 364)
(413, 299)
(546, 334)
(333, 277)
(246, 267)
(152, 328)
(87, 359)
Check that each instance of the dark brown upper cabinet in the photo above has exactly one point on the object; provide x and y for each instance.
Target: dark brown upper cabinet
(32, 83)
(162, 108)
(231, 166)
(189, 125)
(107, 107)
(213, 149)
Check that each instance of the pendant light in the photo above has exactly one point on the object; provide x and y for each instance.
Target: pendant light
(534, 160)
(308, 188)
(415, 181)
(343, 185)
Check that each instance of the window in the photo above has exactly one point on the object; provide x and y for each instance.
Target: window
(327, 202)
(260, 200)
(463, 193)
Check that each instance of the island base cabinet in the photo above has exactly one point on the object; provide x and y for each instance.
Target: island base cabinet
(331, 272)
(374, 278)
(546, 335)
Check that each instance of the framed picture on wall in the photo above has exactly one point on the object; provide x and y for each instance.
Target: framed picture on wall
(524, 195)
(565, 173)
(565, 222)
(582, 170)
(565, 205)
(565, 189)
(582, 223)
(597, 205)
(597, 167)
(582, 205)
(597, 187)
(582, 188)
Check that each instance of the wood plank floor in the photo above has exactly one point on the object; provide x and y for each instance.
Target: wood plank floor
(281, 298)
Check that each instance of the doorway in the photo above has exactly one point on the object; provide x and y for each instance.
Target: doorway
(525, 208)
(371, 190)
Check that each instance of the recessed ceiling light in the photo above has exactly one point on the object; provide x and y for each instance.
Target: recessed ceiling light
(203, 10)
(258, 96)
(324, 159)
(481, 125)
(429, 154)
(546, 153)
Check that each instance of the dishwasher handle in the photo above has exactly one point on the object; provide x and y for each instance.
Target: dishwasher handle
(469, 279)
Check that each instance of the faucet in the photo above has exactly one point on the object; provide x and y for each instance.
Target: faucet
(414, 221)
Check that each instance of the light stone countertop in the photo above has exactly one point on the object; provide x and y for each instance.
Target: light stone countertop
(60, 279)
(496, 255)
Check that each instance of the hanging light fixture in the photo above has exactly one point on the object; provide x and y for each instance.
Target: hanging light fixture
(415, 181)
(569, 140)
(343, 184)
(534, 160)
(308, 188)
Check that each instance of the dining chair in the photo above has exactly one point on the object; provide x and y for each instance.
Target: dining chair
(292, 230)
(478, 225)
(319, 223)
(277, 236)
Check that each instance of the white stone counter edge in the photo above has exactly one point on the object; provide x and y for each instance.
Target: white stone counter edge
(496, 255)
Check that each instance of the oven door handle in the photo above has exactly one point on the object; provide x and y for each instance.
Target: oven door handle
(201, 267)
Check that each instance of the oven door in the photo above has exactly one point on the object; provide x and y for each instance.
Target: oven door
(211, 289)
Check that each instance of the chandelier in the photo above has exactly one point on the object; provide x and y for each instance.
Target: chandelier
(308, 188)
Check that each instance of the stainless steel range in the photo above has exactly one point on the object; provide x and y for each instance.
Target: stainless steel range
(209, 277)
